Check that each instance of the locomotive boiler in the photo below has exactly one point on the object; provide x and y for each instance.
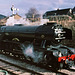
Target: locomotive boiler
(38, 43)
(51, 31)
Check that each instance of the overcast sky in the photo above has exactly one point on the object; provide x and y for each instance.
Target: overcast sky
(41, 5)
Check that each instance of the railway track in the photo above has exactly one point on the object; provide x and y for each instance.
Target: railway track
(11, 69)
(32, 69)
(68, 71)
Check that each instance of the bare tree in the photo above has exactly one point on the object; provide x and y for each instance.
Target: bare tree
(32, 14)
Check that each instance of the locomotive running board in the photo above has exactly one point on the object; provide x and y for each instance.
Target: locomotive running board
(11, 41)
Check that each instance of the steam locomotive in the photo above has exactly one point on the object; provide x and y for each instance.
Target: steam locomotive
(40, 43)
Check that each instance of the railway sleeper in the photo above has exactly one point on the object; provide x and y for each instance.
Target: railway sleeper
(13, 54)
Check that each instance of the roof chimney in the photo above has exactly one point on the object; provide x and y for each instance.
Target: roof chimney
(58, 9)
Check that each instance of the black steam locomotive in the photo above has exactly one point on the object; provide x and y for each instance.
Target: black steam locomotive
(38, 43)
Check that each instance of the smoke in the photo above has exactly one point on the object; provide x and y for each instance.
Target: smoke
(11, 21)
(43, 21)
(28, 51)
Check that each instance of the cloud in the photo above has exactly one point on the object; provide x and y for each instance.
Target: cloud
(61, 2)
(41, 5)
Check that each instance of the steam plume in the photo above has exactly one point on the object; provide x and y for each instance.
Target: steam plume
(30, 52)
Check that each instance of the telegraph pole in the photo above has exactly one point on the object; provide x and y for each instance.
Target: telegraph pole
(14, 9)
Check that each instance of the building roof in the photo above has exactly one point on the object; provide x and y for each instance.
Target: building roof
(2, 16)
(58, 12)
(74, 9)
(15, 15)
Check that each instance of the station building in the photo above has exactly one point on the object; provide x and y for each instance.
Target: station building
(59, 14)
